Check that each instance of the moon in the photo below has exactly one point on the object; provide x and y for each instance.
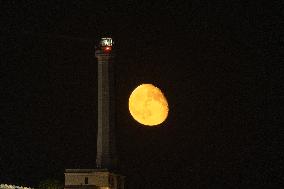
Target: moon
(148, 105)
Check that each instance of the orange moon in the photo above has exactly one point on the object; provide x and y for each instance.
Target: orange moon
(148, 105)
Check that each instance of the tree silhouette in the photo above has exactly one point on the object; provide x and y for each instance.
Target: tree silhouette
(51, 184)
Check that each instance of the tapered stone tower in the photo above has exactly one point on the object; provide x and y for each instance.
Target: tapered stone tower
(104, 176)
(106, 153)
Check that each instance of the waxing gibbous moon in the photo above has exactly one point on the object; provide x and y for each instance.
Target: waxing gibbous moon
(148, 105)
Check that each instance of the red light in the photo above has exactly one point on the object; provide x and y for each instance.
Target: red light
(107, 49)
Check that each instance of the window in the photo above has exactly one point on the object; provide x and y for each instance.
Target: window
(118, 183)
(86, 180)
(111, 181)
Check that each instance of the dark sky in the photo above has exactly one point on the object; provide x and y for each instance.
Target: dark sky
(218, 64)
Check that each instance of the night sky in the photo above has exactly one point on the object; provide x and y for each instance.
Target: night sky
(218, 64)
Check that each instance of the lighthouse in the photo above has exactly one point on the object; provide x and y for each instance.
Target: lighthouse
(104, 175)
(106, 153)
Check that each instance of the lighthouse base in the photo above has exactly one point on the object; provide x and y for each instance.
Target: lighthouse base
(93, 179)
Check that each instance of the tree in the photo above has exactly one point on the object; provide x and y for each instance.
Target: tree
(51, 184)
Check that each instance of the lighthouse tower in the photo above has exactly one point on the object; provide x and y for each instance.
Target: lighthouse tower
(106, 157)
(104, 176)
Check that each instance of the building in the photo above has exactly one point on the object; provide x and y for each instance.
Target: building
(104, 176)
